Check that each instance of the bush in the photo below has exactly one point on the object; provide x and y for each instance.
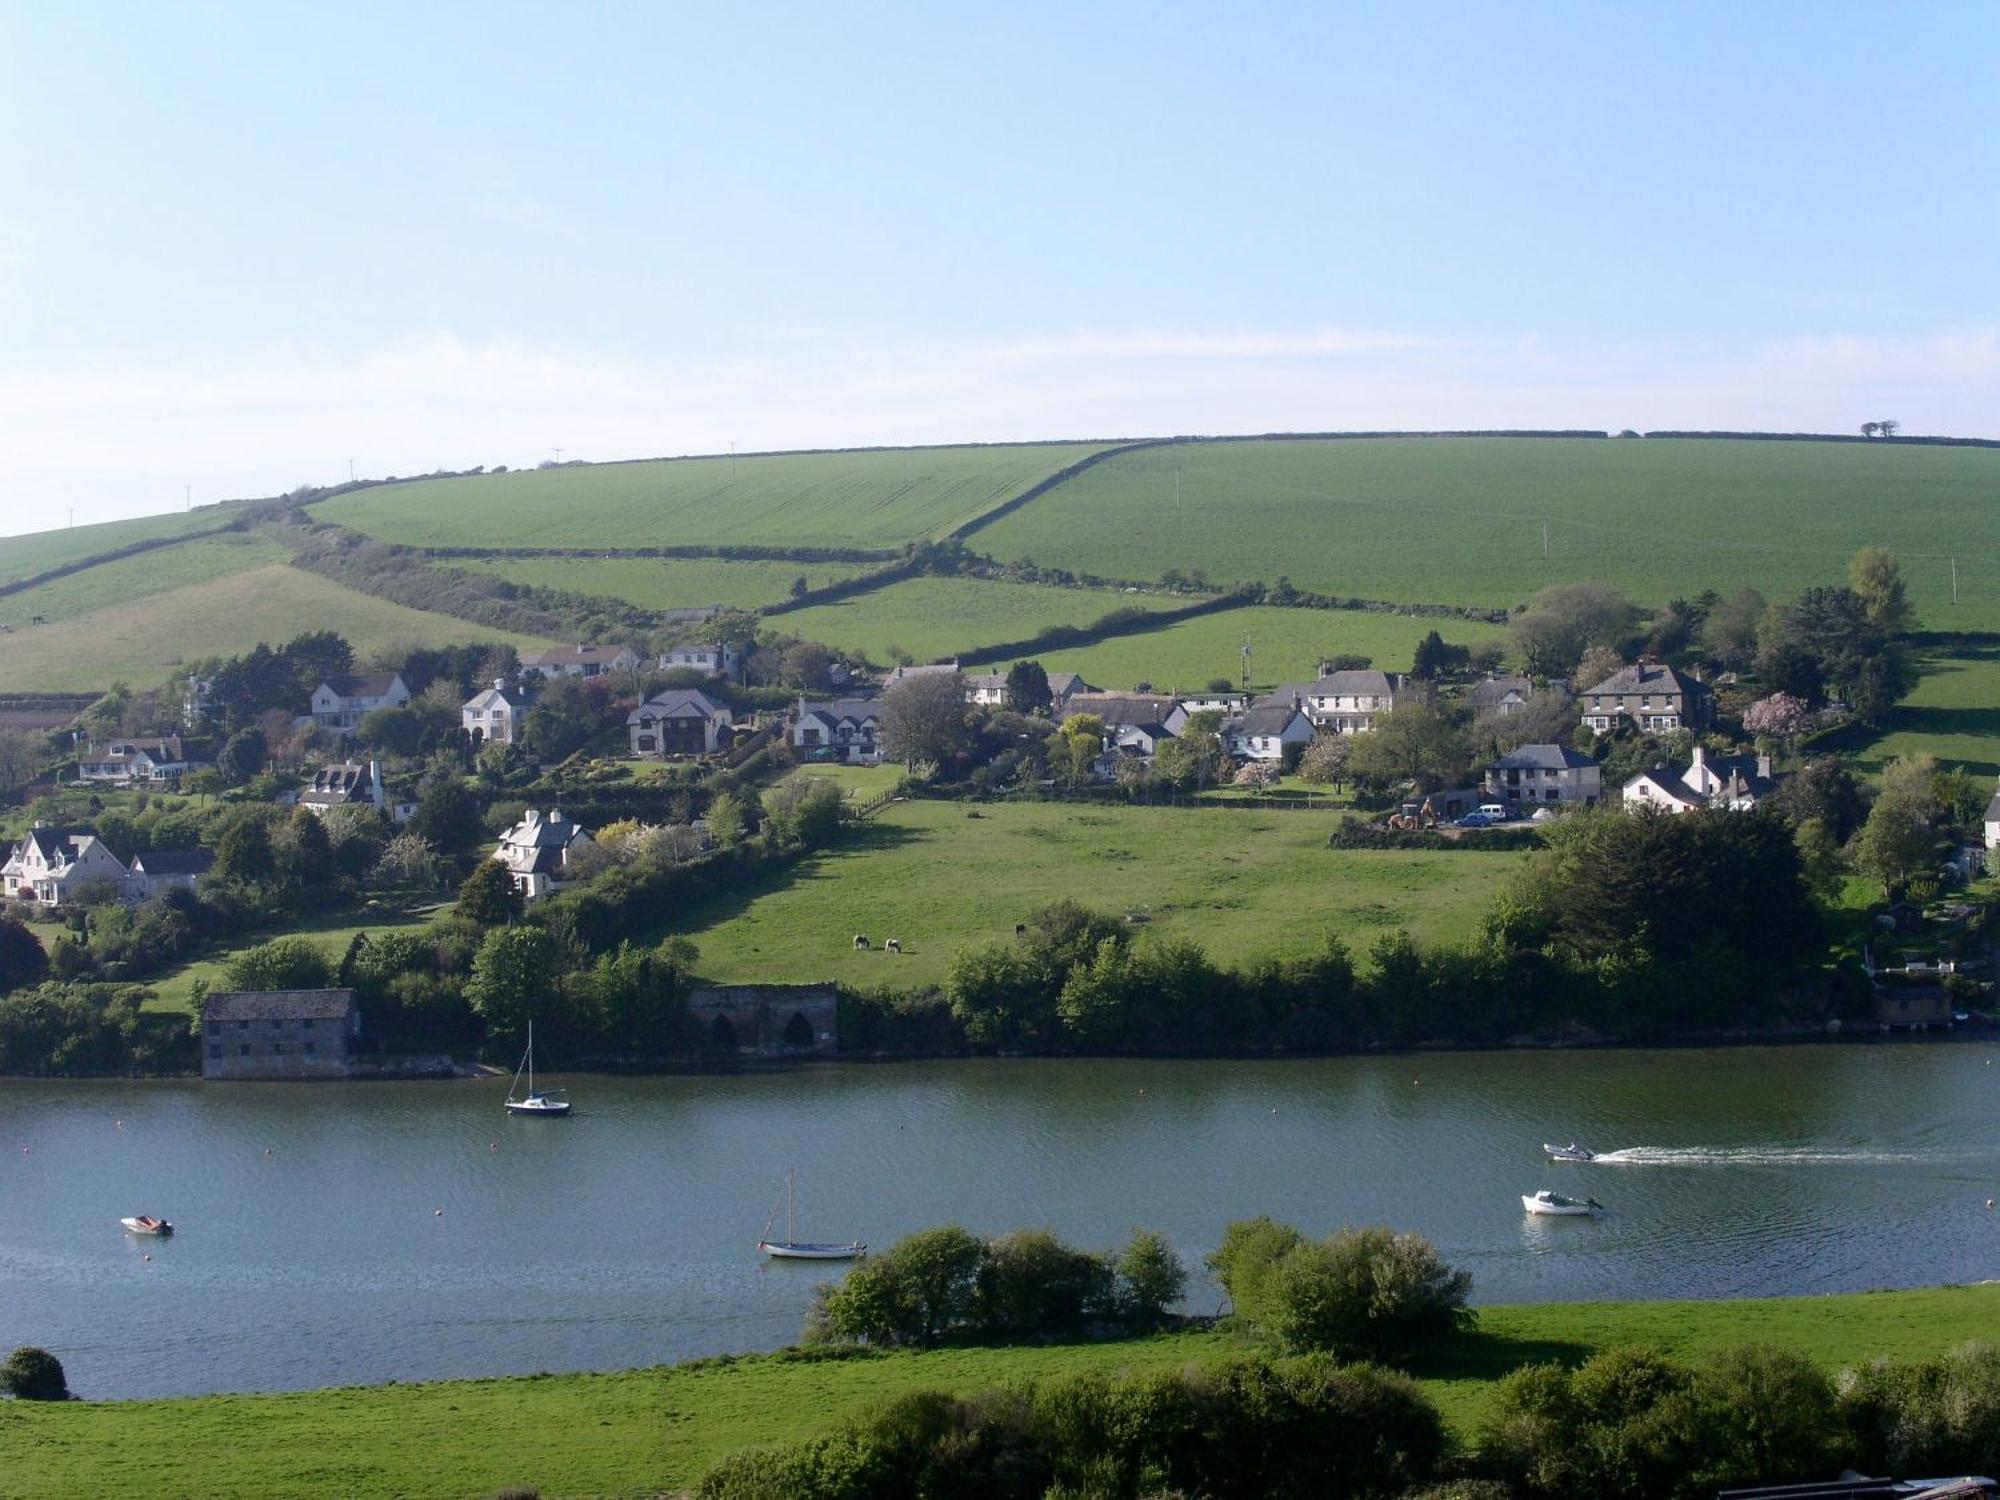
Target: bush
(287, 963)
(917, 1293)
(32, 1374)
(1151, 1279)
(1933, 1416)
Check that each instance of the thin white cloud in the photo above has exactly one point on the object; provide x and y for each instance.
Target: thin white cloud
(122, 438)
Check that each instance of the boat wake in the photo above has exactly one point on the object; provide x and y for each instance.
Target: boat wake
(1757, 1156)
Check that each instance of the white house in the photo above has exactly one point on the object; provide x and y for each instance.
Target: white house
(494, 716)
(988, 689)
(1266, 730)
(710, 658)
(839, 729)
(340, 703)
(1544, 776)
(1737, 783)
(152, 762)
(679, 721)
(580, 661)
(52, 866)
(1993, 822)
(1346, 702)
(344, 783)
(536, 851)
(158, 871)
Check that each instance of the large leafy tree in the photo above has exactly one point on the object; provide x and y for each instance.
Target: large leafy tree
(1028, 687)
(1877, 580)
(514, 974)
(923, 719)
(1415, 742)
(489, 896)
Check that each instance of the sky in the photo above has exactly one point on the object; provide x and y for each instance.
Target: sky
(244, 246)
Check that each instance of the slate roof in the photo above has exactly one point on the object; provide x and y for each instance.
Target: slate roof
(1120, 708)
(582, 656)
(1647, 677)
(1669, 787)
(1267, 719)
(1363, 683)
(678, 703)
(1061, 683)
(493, 697)
(1495, 690)
(278, 1005)
(362, 684)
(535, 831)
(1993, 809)
(174, 861)
(930, 669)
(991, 682)
(1543, 758)
(833, 710)
(338, 782)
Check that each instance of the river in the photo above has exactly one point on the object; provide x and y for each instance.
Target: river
(342, 1233)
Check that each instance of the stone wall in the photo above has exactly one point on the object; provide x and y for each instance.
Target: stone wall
(770, 1020)
(266, 1049)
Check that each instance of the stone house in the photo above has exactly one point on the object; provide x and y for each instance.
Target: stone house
(344, 783)
(679, 721)
(158, 871)
(844, 730)
(1064, 686)
(536, 851)
(1500, 696)
(1649, 695)
(54, 866)
(341, 703)
(580, 661)
(1535, 776)
(710, 658)
(278, 1034)
(493, 717)
(130, 762)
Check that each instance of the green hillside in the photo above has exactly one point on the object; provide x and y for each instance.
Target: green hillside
(130, 578)
(38, 551)
(667, 582)
(1459, 520)
(861, 499)
(143, 641)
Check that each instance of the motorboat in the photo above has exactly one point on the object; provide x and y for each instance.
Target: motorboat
(791, 1247)
(147, 1224)
(534, 1102)
(1571, 1152)
(1546, 1202)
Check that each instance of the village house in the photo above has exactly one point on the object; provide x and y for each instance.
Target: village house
(344, 783)
(1120, 708)
(679, 721)
(987, 689)
(158, 871)
(932, 669)
(1346, 702)
(1266, 731)
(1500, 696)
(493, 717)
(341, 703)
(149, 762)
(278, 1034)
(536, 851)
(710, 658)
(1064, 686)
(839, 729)
(1734, 783)
(1649, 695)
(1544, 776)
(56, 866)
(1993, 822)
(580, 661)
(1229, 705)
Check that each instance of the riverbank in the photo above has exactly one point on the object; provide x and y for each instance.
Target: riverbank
(640, 1432)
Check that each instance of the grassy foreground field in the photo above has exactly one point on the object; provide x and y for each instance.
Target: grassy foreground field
(667, 582)
(642, 1432)
(1459, 520)
(142, 641)
(863, 499)
(942, 877)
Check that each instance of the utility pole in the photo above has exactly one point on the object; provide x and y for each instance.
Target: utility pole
(187, 497)
(1246, 663)
(732, 461)
(1954, 580)
(72, 515)
(1545, 539)
(1177, 489)
(558, 453)
(350, 471)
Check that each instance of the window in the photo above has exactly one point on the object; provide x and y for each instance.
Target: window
(307, 1023)
(311, 1048)
(244, 1050)
(215, 1051)
(242, 1025)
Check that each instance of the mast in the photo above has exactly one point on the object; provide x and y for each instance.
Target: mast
(791, 1205)
(531, 1057)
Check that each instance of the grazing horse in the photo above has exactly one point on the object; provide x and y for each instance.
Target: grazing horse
(1020, 929)
(892, 946)
(861, 940)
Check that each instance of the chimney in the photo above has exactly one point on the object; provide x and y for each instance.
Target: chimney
(1697, 772)
(1763, 768)
(499, 684)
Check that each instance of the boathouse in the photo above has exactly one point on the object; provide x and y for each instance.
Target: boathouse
(279, 1034)
(769, 1020)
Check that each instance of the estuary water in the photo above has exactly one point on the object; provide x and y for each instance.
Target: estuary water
(342, 1233)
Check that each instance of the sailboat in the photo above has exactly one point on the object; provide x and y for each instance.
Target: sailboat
(791, 1247)
(544, 1102)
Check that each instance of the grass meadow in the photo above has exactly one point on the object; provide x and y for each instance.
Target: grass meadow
(140, 577)
(644, 1432)
(1459, 520)
(667, 582)
(932, 618)
(1953, 713)
(37, 552)
(143, 641)
(860, 499)
(942, 877)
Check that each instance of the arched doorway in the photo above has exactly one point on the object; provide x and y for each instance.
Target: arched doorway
(798, 1031)
(722, 1033)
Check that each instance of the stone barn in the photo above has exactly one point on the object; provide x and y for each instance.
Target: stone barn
(770, 1020)
(279, 1034)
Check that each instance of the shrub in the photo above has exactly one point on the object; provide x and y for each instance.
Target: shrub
(287, 963)
(32, 1374)
(1030, 1284)
(916, 1293)
(1151, 1279)
(1933, 1416)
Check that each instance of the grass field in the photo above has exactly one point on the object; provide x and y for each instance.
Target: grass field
(1953, 713)
(1459, 520)
(803, 500)
(938, 617)
(140, 577)
(37, 552)
(642, 1432)
(667, 582)
(1286, 645)
(330, 935)
(942, 876)
(143, 641)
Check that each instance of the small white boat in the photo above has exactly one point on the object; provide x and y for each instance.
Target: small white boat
(1571, 1152)
(1546, 1202)
(543, 1102)
(791, 1247)
(147, 1224)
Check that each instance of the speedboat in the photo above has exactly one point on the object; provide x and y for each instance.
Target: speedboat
(147, 1224)
(1546, 1202)
(1571, 1152)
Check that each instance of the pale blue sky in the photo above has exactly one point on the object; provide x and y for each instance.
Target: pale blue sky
(241, 244)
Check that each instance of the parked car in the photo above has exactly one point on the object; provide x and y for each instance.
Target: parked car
(1477, 820)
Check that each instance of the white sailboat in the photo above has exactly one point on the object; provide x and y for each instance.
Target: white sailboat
(543, 1102)
(791, 1247)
